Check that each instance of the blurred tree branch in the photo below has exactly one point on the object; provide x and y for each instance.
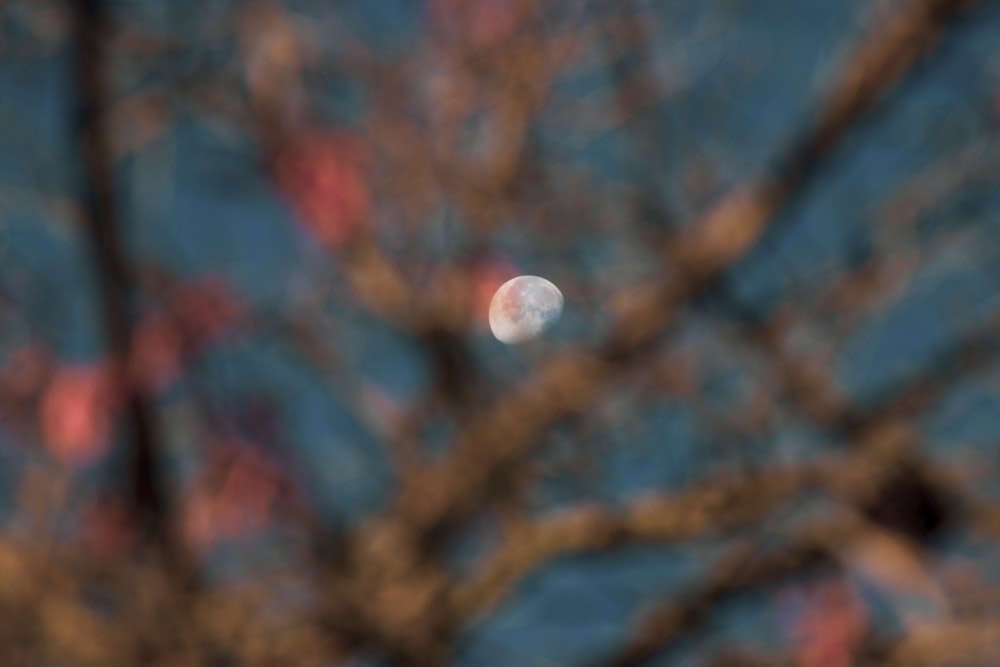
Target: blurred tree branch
(385, 585)
(149, 490)
(434, 500)
(744, 567)
(711, 507)
(497, 440)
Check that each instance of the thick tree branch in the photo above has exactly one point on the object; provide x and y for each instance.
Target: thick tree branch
(148, 490)
(743, 569)
(709, 508)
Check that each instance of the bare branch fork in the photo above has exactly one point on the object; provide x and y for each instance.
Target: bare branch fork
(722, 236)
(436, 499)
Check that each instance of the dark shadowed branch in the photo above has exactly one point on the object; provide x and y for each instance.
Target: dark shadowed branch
(149, 491)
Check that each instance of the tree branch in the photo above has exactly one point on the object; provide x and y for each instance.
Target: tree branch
(148, 490)
(714, 506)
(743, 569)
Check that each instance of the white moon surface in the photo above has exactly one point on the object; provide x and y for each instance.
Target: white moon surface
(523, 308)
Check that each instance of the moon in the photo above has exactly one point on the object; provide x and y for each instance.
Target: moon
(523, 308)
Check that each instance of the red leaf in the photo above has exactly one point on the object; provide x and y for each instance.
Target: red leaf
(481, 22)
(829, 628)
(237, 505)
(157, 350)
(76, 413)
(206, 309)
(322, 175)
(26, 371)
(488, 276)
(107, 528)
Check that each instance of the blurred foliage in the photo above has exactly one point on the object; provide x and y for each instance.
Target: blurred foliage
(253, 413)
